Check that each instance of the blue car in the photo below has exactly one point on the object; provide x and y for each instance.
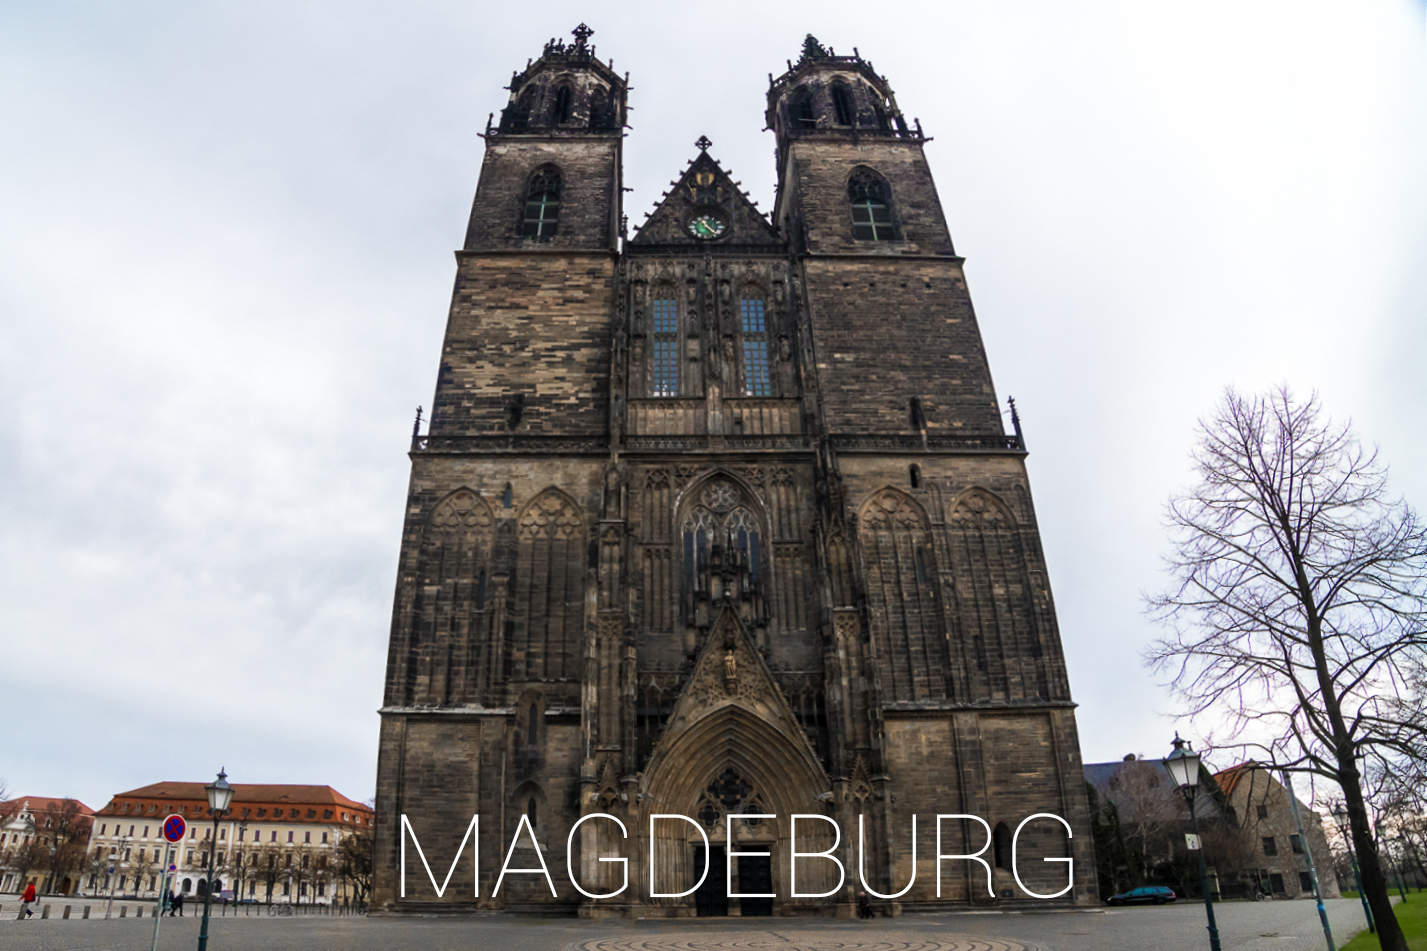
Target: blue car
(1145, 895)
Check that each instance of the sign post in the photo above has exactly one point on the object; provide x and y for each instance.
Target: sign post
(174, 829)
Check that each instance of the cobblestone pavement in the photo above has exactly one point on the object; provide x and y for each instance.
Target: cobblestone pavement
(1266, 926)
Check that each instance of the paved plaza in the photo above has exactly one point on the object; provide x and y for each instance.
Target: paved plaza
(1265, 926)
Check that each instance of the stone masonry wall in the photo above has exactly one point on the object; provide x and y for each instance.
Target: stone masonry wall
(530, 326)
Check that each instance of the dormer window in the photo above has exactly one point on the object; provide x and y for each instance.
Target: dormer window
(542, 205)
(871, 215)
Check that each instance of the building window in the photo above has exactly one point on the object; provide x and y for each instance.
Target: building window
(562, 105)
(914, 475)
(324, 838)
(756, 381)
(666, 348)
(841, 104)
(542, 206)
(1262, 811)
(289, 835)
(801, 109)
(1270, 847)
(871, 215)
(307, 838)
(1295, 841)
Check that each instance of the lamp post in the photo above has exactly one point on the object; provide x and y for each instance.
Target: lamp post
(1183, 766)
(238, 864)
(219, 795)
(1340, 816)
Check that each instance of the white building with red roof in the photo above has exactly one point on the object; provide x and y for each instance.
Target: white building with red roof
(277, 842)
(43, 841)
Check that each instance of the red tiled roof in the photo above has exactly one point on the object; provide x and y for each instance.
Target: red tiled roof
(1229, 778)
(38, 804)
(244, 794)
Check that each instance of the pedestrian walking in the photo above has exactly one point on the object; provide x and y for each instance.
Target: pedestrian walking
(178, 904)
(26, 901)
(864, 905)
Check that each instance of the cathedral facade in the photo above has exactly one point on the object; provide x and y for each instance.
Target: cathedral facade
(719, 520)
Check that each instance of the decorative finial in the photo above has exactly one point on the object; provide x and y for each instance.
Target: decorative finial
(416, 427)
(703, 143)
(581, 34)
(1016, 425)
(812, 49)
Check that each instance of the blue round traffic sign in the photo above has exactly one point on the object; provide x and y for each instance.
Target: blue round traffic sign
(174, 828)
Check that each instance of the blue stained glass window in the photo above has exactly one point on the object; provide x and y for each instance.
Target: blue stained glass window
(666, 348)
(756, 380)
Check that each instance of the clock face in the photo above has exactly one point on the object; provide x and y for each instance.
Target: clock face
(707, 226)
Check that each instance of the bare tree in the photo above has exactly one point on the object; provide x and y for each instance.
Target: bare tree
(68, 831)
(354, 862)
(1297, 602)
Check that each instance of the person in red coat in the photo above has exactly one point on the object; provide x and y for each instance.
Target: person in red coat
(26, 900)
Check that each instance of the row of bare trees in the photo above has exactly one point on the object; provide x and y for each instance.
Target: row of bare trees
(1297, 610)
(267, 866)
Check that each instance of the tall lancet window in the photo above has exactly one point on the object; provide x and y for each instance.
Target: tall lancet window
(871, 215)
(842, 104)
(542, 205)
(664, 380)
(754, 324)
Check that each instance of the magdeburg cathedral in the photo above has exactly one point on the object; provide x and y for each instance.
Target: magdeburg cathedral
(718, 521)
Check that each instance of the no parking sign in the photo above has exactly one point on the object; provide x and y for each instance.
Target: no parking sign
(174, 828)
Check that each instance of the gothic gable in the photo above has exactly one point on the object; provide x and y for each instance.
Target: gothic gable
(706, 190)
(730, 671)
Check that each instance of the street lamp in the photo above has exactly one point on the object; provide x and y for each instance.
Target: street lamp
(1340, 816)
(220, 794)
(1183, 767)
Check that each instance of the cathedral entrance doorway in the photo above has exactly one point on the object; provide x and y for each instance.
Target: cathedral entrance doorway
(711, 900)
(755, 877)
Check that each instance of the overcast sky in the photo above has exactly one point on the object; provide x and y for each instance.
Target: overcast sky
(225, 264)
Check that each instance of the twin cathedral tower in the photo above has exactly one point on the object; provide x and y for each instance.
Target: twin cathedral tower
(717, 519)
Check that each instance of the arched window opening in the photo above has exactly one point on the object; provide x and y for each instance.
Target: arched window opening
(871, 215)
(602, 109)
(1001, 840)
(519, 114)
(914, 411)
(530, 811)
(562, 105)
(914, 475)
(842, 104)
(505, 496)
(542, 206)
(532, 726)
(881, 115)
(754, 324)
(665, 378)
(801, 109)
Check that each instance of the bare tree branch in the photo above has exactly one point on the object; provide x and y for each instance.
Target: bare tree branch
(1297, 606)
